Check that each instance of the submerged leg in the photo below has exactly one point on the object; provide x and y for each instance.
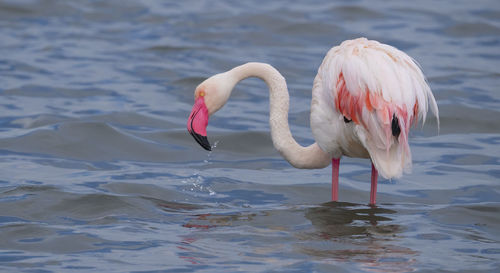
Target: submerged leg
(335, 179)
(373, 191)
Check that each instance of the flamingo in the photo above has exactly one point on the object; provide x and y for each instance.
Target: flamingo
(365, 98)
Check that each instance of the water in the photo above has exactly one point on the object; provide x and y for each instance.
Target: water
(98, 172)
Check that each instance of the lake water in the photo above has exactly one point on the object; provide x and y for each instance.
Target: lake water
(98, 172)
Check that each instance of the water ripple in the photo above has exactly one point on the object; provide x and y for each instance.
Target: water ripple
(98, 172)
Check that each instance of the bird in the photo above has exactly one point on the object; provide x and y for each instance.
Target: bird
(365, 97)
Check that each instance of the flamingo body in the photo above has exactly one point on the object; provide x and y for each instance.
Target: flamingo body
(365, 98)
(382, 90)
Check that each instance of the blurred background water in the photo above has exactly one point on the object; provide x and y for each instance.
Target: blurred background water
(98, 173)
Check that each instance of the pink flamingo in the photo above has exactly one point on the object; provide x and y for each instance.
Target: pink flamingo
(365, 98)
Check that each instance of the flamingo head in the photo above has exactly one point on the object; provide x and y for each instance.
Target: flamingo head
(209, 97)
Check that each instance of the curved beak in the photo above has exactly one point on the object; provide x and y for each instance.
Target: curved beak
(197, 123)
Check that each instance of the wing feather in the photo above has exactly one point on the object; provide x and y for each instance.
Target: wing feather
(371, 83)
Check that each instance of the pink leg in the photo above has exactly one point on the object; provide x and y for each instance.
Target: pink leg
(335, 179)
(373, 192)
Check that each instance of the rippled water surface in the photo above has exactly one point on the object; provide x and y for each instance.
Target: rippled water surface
(98, 172)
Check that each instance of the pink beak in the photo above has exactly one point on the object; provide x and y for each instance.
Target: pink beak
(197, 123)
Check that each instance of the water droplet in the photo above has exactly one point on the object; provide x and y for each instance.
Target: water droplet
(215, 144)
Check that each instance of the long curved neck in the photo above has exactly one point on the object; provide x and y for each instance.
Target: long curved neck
(300, 157)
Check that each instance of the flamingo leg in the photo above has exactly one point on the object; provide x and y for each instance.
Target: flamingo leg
(335, 179)
(373, 191)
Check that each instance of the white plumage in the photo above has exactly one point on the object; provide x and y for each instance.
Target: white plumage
(373, 82)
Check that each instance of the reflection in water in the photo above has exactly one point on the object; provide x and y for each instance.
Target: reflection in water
(342, 213)
(336, 232)
(356, 233)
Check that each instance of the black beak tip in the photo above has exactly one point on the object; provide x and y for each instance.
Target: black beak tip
(202, 140)
(204, 143)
